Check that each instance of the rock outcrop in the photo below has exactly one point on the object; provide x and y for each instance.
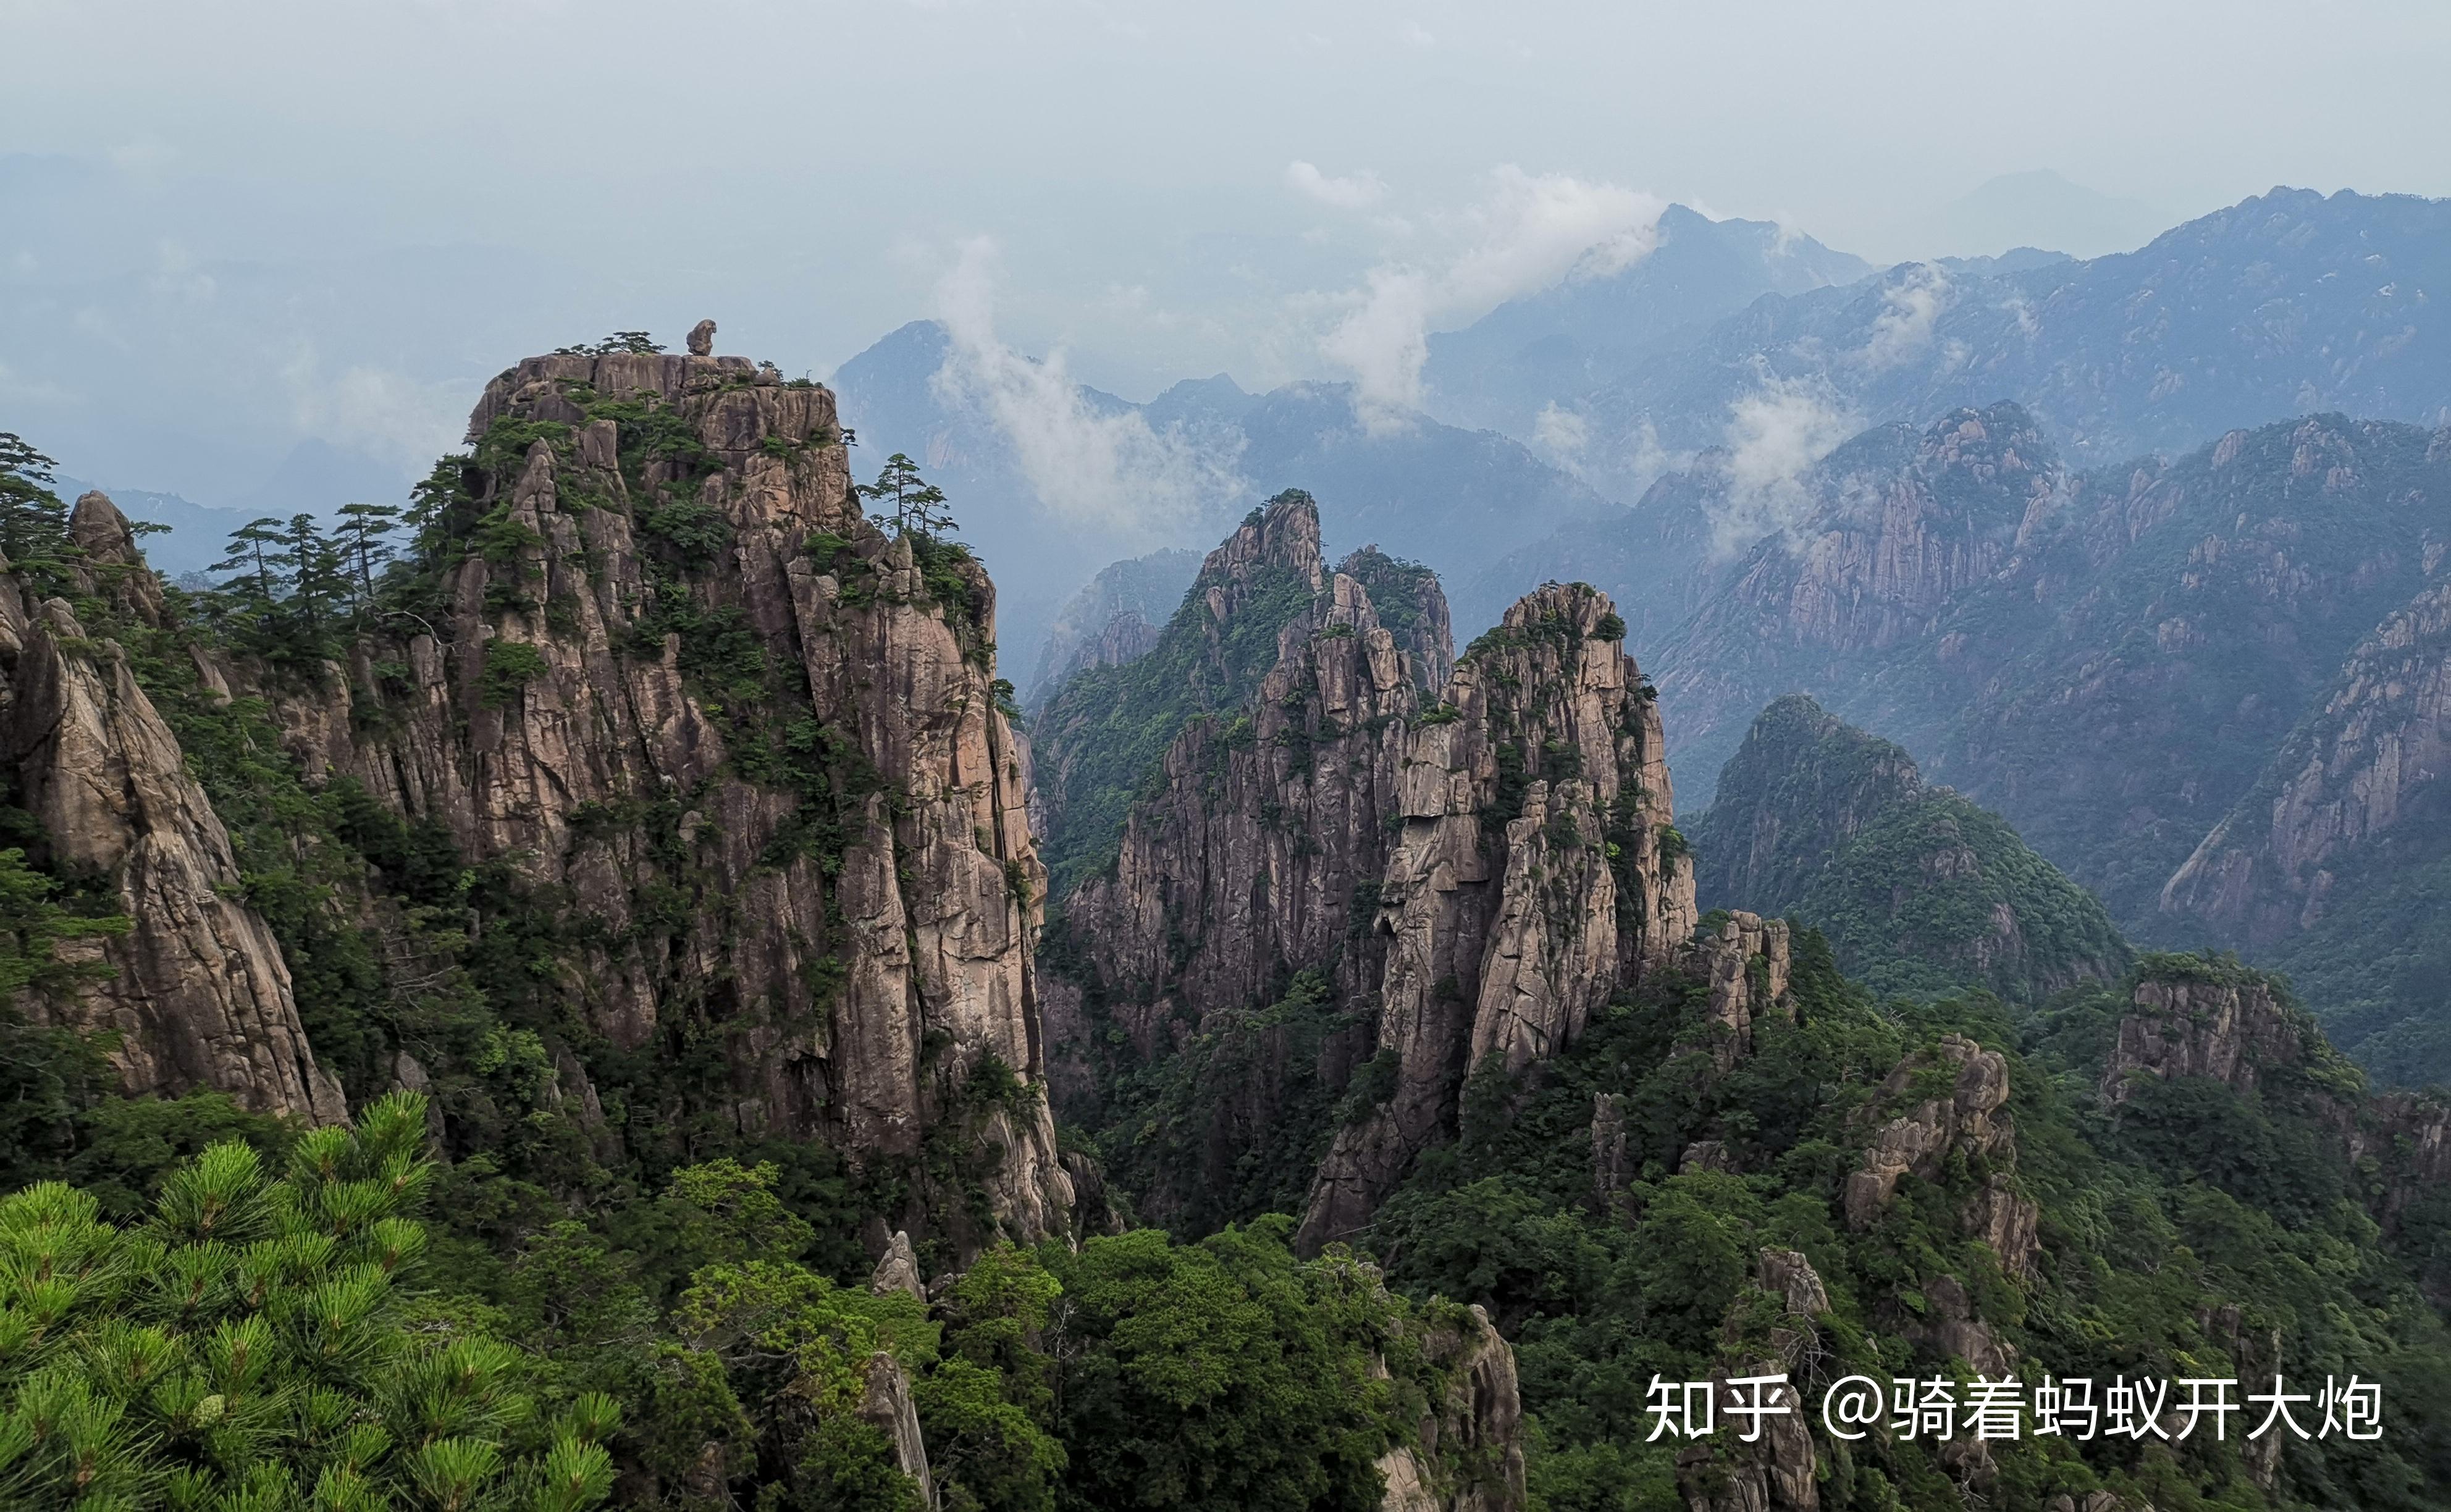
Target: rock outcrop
(1114, 618)
(683, 683)
(2230, 1026)
(1900, 524)
(740, 752)
(2195, 1017)
(1745, 963)
(1247, 864)
(1470, 872)
(1534, 874)
(1470, 1454)
(199, 998)
(1963, 1118)
(1777, 1470)
(885, 1405)
(898, 1269)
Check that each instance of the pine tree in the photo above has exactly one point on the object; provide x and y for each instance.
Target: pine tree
(913, 505)
(365, 542)
(253, 556)
(33, 523)
(250, 1347)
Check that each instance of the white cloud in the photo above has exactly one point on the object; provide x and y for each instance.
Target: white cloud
(1774, 436)
(1913, 306)
(1108, 469)
(1526, 233)
(1354, 191)
(1560, 432)
(384, 413)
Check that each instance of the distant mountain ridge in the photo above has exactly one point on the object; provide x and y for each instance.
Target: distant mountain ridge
(1574, 335)
(2214, 689)
(2286, 303)
(1419, 489)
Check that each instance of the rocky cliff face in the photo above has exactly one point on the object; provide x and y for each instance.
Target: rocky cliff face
(1471, 1454)
(199, 998)
(2232, 1028)
(1464, 875)
(2188, 1017)
(1113, 619)
(2107, 658)
(1954, 1094)
(1778, 1471)
(1534, 872)
(2362, 787)
(1895, 526)
(1247, 865)
(899, 866)
(742, 748)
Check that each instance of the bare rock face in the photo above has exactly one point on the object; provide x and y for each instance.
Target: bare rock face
(1530, 878)
(2365, 782)
(898, 1271)
(2229, 1029)
(201, 998)
(685, 683)
(1901, 524)
(1966, 1120)
(1104, 624)
(1746, 964)
(1786, 1274)
(1247, 865)
(887, 1404)
(1779, 1470)
(1476, 871)
(1470, 1453)
(701, 339)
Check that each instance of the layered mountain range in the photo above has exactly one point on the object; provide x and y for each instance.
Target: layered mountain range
(2122, 662)
(1311, 1065)
(1427, 967)
(2286, 304)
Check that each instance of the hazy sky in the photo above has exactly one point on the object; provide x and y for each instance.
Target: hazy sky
(1164, 190)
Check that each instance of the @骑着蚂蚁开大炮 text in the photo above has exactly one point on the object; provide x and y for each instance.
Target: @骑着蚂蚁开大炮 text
(2081, 1409)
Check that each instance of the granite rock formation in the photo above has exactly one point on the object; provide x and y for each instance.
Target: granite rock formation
(2232, 1028)
(199, 998)
(1471, 873)
(682, 680)
(1967, 1121)
(740, 747)
(1535, 871)
(1470, 1457)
